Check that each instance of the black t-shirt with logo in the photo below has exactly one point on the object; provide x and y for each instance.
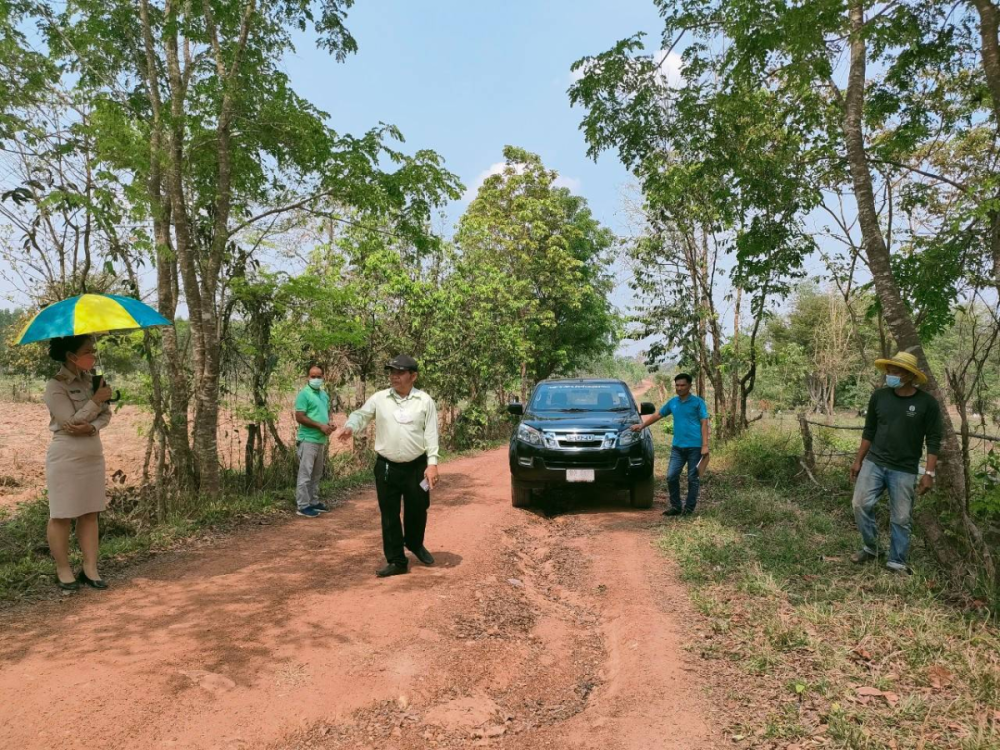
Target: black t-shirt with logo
(897, 427)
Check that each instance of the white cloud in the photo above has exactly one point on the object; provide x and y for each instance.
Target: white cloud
(671, 68)
(470, 192)
(567, 182)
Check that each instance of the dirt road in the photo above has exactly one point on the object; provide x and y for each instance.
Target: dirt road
(529, 632)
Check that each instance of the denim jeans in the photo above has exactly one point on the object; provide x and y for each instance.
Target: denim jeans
(679, 457)
(872, 480)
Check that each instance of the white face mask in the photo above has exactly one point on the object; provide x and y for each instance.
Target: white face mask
(316, 383)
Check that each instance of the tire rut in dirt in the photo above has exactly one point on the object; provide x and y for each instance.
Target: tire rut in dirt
(521, 651)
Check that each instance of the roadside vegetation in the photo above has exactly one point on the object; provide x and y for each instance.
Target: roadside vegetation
(809, 649)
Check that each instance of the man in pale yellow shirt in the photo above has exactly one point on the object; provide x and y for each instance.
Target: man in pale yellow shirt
(406, 443)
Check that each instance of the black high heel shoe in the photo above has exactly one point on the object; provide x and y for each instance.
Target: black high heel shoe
(73, 585)
(94, 584)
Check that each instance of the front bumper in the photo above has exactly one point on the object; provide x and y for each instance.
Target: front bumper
(534, 467)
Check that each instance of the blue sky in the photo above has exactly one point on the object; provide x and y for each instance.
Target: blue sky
(467, 78)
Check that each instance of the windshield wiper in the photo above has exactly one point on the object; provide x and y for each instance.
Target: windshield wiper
(620, 408)
(574, 408)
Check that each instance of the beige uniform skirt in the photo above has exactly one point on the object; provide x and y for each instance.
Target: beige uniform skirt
(74, 472)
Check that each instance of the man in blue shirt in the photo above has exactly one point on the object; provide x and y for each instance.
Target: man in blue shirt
(690, 445)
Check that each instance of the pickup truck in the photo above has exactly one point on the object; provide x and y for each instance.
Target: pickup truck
(577, 431)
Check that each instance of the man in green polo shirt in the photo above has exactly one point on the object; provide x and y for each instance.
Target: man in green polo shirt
(312, 412)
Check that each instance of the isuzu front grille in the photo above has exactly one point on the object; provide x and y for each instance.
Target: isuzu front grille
(577, 440)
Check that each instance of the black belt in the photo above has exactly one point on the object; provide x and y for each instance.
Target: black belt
(414, 462)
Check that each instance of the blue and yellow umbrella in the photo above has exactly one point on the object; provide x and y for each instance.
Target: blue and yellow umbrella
(90, 313)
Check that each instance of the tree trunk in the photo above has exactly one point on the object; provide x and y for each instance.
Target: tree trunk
(205, 447)
(808, 453)
(272, 430)
(206, 414)
(208, 374)
(898, 318)
(734, 384)
(166, 270)
(989, 31)
(249, 451)
(749, 380)
(696, 257)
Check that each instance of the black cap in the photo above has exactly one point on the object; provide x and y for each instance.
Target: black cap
(403, 362)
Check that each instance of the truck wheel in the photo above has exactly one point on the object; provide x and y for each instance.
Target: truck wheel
(520, 497)
(641, 493)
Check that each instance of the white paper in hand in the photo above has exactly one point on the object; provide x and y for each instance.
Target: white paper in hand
(425, 486)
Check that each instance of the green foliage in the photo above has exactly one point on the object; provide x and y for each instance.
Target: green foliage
(628, 370)
(545, 246)
(25, 73)
(20, 360)
(766, 455)
(986, 495)
(712, 154)
(820, 347)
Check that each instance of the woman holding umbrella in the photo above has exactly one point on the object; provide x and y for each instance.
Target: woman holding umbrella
(74, 465)
(78, 411)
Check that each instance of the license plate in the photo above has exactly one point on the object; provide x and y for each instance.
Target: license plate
(579, 475)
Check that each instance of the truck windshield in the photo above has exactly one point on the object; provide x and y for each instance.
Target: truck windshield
(582, 397)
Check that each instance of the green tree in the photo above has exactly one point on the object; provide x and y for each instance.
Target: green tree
(553, 256)
(474, 346)
(780, 116)
(192, 108)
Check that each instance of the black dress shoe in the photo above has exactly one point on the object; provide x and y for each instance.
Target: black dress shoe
(423, 555)
(93, 583)
(392, 569)
(673, 512)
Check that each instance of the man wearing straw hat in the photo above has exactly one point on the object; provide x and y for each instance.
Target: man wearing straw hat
(900, 419)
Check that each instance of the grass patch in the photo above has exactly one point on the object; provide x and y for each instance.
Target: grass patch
(798, 631)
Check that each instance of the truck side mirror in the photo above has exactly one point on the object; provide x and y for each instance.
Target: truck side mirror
(647, 408)
(515, 409)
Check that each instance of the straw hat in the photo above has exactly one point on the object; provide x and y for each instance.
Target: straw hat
(905, 361)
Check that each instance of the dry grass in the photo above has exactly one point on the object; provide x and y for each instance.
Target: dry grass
(812, 651)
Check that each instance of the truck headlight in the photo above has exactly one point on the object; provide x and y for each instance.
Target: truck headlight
(627, 437)
(529, 435)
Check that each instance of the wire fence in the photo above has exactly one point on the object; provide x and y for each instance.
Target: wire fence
(813, 459)
(859, 428)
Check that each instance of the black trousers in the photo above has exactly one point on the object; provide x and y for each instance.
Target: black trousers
(399, 484)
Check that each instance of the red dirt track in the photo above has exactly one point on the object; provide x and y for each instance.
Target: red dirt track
(529, 632)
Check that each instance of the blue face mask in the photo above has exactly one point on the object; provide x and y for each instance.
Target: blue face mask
(316, 383)
(893, 381)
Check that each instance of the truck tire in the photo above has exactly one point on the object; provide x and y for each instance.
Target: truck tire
(641, 493)
(520, 497)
